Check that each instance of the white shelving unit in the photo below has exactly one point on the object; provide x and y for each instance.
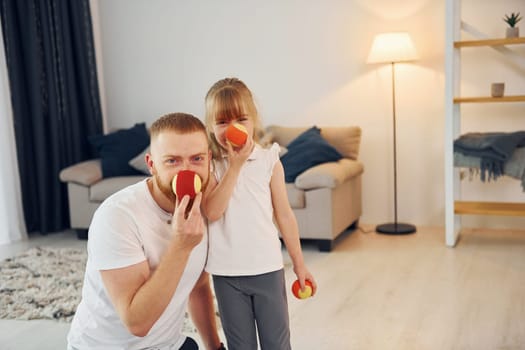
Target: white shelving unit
(455, 207)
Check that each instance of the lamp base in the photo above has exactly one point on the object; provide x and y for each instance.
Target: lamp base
(395, 228)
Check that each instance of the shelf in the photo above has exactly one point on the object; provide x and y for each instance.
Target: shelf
(515, 98)
(455, 44)
(489, 208)
(489, 42)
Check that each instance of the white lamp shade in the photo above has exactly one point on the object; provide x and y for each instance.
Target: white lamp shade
(392, 47)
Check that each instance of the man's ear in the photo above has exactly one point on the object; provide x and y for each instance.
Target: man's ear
(149, 162)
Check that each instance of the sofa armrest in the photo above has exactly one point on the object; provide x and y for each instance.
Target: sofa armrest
(84, 173)
(329, 175)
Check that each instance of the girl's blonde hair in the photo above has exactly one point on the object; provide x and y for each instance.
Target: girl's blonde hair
(228, 99)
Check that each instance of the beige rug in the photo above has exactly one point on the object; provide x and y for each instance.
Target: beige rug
(42, 283)
(46, 283)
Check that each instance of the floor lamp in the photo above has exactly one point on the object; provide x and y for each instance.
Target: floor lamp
(392, 48)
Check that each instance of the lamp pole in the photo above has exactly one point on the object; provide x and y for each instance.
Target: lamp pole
(395, 140)
(395, 228)
(391, 48)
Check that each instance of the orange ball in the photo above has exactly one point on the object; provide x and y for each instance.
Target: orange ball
(308, 289)
(186, 182)
(236, 134)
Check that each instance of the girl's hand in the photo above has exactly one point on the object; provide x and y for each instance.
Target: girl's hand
(188, 225)
(237, 156)
(303, 274)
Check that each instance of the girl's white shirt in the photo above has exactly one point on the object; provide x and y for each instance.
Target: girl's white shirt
(245, 240)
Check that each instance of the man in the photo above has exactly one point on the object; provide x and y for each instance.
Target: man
(146, 254)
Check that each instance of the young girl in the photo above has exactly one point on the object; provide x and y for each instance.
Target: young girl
(246, 192)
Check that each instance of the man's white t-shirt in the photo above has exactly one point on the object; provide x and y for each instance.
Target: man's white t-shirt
(245, 240)
(128, 228)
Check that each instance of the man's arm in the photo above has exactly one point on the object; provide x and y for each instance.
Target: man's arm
(202, 312)
(140, 297)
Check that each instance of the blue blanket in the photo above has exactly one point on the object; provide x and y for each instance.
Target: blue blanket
(514, 167)
(493, 150)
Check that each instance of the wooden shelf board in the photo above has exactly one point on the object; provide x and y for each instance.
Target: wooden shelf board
(481, 99)
(489, 208)
(489, 42)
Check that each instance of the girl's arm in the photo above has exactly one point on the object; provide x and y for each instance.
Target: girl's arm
(287, 224)
(218, 194)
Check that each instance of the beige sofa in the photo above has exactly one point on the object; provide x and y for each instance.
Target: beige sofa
(326, 198)
(87, 189)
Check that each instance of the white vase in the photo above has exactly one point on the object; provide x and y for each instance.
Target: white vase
(512, 32)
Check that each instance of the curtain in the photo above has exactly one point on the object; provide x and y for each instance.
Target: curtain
(55, 101)
(12, 227)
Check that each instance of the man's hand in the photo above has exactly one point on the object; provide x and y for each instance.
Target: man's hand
(188, 226)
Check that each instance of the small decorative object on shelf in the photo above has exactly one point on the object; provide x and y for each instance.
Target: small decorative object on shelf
(497, 89)
(512, 20)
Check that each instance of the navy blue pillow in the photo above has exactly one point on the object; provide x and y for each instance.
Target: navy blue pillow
(118, 148)
(307, 150)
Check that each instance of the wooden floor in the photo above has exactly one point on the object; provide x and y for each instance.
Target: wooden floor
(383, 292)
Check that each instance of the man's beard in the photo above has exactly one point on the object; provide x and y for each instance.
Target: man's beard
(165, 189)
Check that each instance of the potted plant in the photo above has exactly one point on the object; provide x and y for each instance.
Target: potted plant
(512, 20)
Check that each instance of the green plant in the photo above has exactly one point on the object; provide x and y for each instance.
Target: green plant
(513, 19)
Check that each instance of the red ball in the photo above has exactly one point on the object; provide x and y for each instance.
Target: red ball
(308, 289)
(186, 182)
(236, 134)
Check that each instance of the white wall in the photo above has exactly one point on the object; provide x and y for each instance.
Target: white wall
(305, 63)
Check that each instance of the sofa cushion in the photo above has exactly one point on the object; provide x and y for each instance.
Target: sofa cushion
(139, 162)
(116, 149)
(345, 139)
(307, 150)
